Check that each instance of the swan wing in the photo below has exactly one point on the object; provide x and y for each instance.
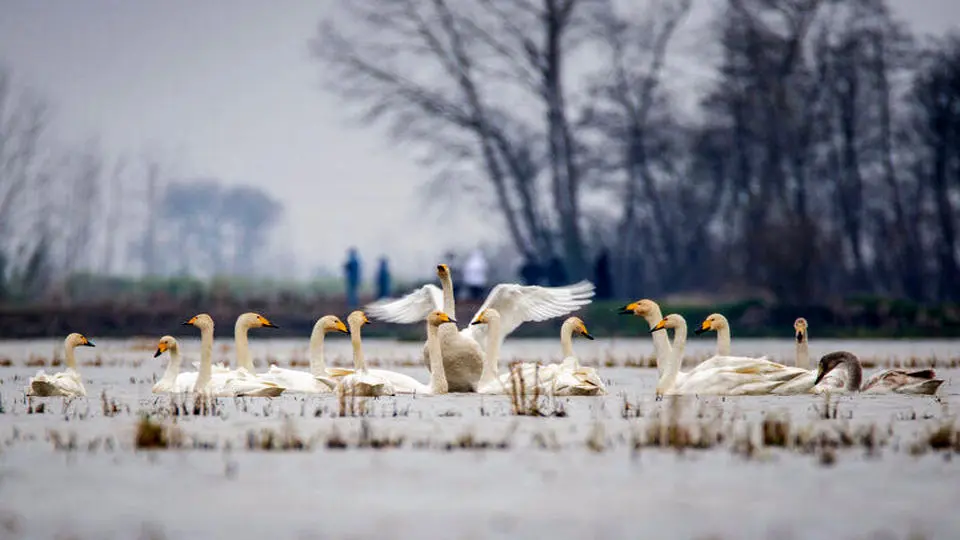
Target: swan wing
(402, 384)
(413, 307)
(518, 304)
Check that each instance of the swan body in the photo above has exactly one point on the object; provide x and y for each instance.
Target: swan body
(318, 380)
(65, 383)
(361, 382)
(463, 350)
(232, 384)
(919, 382)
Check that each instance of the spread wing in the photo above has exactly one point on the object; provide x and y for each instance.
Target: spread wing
(413, 307)
(518, 304)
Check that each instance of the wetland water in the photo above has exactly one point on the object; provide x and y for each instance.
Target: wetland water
(462, 466)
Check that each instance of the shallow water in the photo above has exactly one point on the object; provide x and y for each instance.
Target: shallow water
(73, 471)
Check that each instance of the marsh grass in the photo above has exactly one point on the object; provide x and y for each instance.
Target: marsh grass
(154, 435)
(533, 402)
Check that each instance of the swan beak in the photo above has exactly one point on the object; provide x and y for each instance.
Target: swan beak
(587, 335)
(189, 322)
(264, 322)
(450, 320)
(342, 327)
(660, 326)
(799, 336)
(88, 343)
(478, 321)
(627, 309)
(705, 326)
(159, 352)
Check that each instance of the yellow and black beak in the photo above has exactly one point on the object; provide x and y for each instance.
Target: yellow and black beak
(189, 322)
(340, 327)
(266, 323)
(586, 334)
(449, 319)
(660, 326)
(87, 343)
(161, 348)
(627, 309)
(704, 327)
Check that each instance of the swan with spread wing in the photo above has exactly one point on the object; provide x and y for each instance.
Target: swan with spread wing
(463, 350)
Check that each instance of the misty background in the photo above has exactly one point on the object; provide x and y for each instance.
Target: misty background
(744, 147)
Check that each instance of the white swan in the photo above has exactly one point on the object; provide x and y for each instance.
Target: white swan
(362, 383)
(921, 382)
(567, 378)
(241, 329)
(405, 384)
(65, 383)
(650, 311)
(318, 379)
(235, 383)
(173, 382)
(719, 375)
(463, 350)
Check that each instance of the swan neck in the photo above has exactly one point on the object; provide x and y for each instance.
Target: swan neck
(723, 341)
(242, 345)
(661, 342)
(318, 365)
(206, 359)
(803, 354)
(672, 369)
(438, 378)
(358, 361)
(449, 307)
(566, 339)
(69, 357)
(491, 359)
(854, 374)
(173, 366)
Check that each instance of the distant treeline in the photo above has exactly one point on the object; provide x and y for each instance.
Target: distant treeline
(858, 317)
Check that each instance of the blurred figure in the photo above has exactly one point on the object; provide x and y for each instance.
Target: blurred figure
(556, 273)
(383, 279)
(602, 277)
(475, 274)
(530, 272)
(351, 273)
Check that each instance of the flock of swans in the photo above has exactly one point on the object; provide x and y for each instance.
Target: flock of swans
(468, 359)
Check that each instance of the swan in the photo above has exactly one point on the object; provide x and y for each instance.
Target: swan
(360, 382)
(318, 379)
(720, 375)
(650, 311)
(173, 382)
(463, 350)
(65, 383)
(232, 384)
(807, 383)
(567, 378)
(241, 328)
(889, 380)
(405, 384)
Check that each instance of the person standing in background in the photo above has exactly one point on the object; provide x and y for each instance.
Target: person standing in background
(475, 274)
(351, 271)
(383, 279)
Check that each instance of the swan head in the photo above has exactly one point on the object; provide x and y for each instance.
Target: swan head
(800, 327)
(672, 321)
(78, 340)
(578, 326)
(357, 319)
(438, 317)
(830, 361)
(332, 323)
(201, 321)
(255, 320)
(167, 343)
(443, 271)
(715, 322)
(486, 316)
(640, 308)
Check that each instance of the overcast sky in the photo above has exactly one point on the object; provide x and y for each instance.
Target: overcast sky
(226, 88)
